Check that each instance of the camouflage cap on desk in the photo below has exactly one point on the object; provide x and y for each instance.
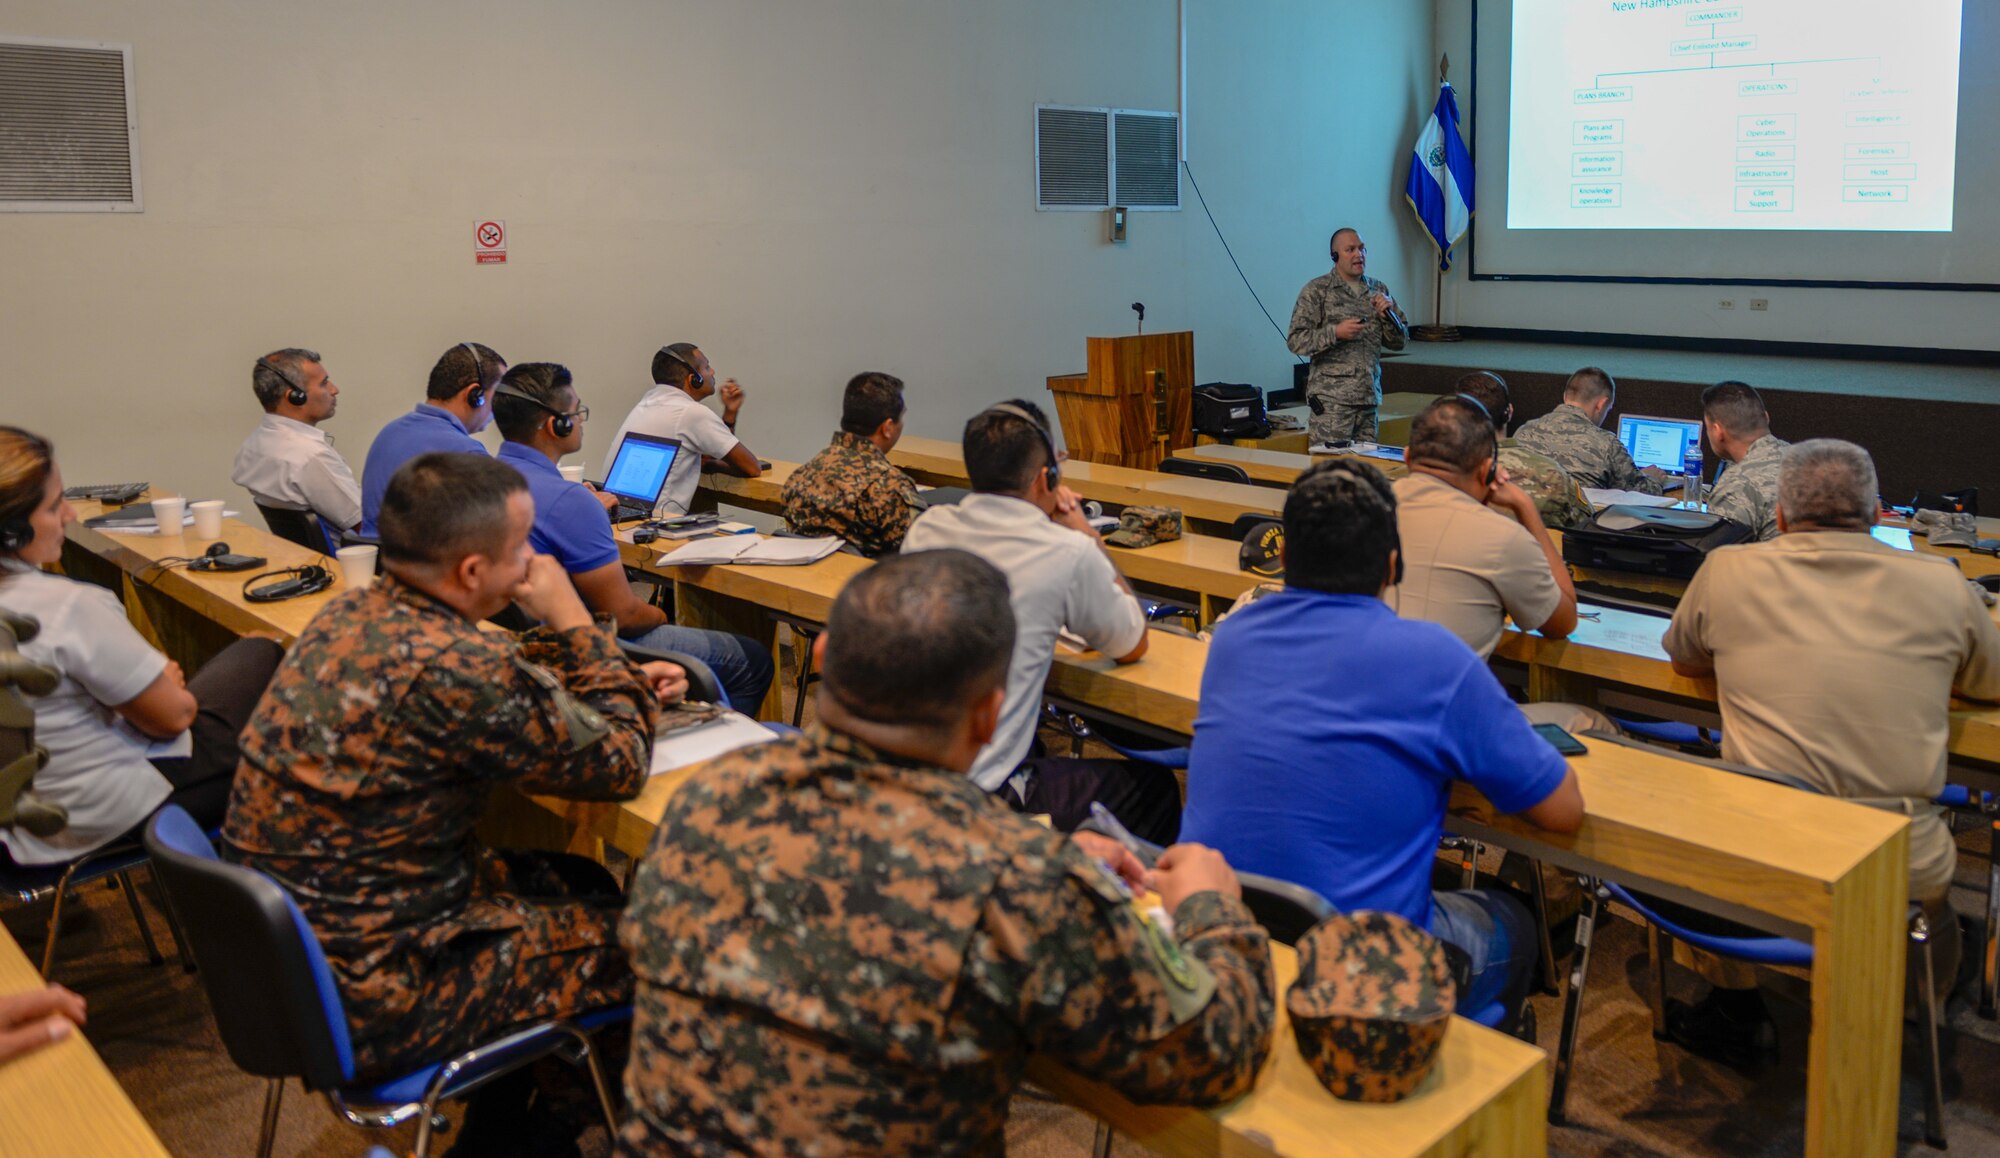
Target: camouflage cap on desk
(1145, 526)
(1371, 1004)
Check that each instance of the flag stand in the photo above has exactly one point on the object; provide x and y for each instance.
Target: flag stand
(1437, 331)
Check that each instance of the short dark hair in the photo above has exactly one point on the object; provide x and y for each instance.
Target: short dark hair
(916, 638)
(542, 382)
(459, 366)
(1736, 407)
(1334, 239)
(279, 371)
(1454, 433)
(445, 505)
(1489, 390)
(675, 363)
(1002, 453)
(1340, 525)
(1590, 384)
(872, 398)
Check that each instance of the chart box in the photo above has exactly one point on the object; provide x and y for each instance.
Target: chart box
(1874, 119)
(1764, 174)
(1879, 173)
(1875, 193)
(1764, 199)
(1715, 45)
(1767, 153)
(1878, 151)
(1767, 127)
(1715, 16)
(1769, 86)
(1603, 96)
(1598, 133)
(1597, 165)
(1596, 196)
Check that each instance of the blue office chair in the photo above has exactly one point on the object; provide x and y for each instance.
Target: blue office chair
(31, 883)
(279, 1011)
(1758, 950)
(301, 527)
(1964, 801)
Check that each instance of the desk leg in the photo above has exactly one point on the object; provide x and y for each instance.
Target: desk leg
(1857, 1014)
(696, 607)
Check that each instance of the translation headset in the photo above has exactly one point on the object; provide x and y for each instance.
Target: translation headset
(295, 391)
(693, 373)
(1053, 471)
(1492, 426)
(290, 583)
(1373, 479)
(564, 424)
(477, 398)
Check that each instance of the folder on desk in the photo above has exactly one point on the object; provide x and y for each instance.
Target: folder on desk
(751, 549)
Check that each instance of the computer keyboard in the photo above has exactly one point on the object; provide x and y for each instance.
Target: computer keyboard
(111, 494)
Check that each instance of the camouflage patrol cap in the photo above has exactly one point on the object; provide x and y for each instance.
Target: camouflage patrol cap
(1371, 1004)
(1145, 526)
(1263, 550)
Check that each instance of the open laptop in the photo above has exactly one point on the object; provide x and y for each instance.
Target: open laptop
(1658, 442)
(638, 474)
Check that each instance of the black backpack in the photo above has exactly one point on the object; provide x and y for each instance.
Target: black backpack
(1666, 541)
(1230, 410)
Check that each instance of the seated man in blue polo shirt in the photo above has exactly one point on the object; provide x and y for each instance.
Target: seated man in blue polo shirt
(458, 403)
(536, 409)
(1330, 731)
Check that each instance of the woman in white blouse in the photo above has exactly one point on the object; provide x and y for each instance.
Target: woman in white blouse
(126, 732)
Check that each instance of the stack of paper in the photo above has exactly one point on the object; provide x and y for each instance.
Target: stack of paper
(725, 733)
(1601, 497)
(750, 549)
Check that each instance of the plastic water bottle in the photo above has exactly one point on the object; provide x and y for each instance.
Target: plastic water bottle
(1691, 475)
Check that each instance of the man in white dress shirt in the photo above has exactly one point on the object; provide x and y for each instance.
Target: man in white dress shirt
(288, 462)
(682, 380)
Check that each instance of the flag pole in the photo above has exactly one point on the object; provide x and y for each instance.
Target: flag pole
(1438, 331)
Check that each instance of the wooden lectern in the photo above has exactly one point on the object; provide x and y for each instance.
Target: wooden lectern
(1135, 405)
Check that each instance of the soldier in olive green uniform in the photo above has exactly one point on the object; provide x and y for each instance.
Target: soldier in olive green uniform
(1343, 321)
(371, 758)
(1559, 500)
(1573, 435)
(850, 489)
(1739, 429)
(844, 946)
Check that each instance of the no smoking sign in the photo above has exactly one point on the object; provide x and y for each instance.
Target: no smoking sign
(489, 242)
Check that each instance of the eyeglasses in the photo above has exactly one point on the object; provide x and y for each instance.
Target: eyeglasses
(579, 416)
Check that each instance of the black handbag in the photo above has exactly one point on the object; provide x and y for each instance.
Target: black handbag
(1665, 541)
(1230, 410)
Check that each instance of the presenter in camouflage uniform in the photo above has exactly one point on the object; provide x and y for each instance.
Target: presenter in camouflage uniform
(371, 758)
(844, 946)
(1739, 431)
(851, 489)
(1343, 321)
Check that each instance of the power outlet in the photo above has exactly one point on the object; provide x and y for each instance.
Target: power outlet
(1760, 305)
(1726, 304)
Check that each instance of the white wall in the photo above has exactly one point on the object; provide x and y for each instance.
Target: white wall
(805, 187)
(1919, 318)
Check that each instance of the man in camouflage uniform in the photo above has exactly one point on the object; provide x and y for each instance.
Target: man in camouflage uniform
(1573, 435)
(850, 489)
(371, 757)
(1557, 497)
(1343, 321)
(844, 946)
(1739, 430)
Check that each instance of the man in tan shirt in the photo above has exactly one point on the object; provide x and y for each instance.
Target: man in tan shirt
(1835, 657)
(1467, 565)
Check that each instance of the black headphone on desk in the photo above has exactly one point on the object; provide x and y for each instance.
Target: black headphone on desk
(1029, 413)
(1376, 482)
(563, 425)
(477, 398)
(292, 582)
(697, 381)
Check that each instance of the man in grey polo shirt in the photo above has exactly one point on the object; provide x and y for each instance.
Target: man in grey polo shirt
(1024, 521)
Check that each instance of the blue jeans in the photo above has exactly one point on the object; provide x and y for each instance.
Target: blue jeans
(1498, 933)
(741, 665)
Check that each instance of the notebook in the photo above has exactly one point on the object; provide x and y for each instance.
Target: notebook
(750, 549)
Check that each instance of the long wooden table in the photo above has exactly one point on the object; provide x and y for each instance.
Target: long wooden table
(61, 1101)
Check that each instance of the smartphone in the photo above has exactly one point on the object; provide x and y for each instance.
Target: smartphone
(1560, 740)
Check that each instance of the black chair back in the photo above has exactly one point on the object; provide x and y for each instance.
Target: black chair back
(1196, 468)
(301, 527)
(267, 983)
(1245, 522)
(703, 687)
(1287, 911)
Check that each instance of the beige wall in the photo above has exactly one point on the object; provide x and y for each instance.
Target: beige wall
(806, 187)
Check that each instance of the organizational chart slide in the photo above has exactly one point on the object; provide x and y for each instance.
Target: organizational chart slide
(1733, 114)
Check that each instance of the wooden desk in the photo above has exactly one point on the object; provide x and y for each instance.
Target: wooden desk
(61, 1101)
(1487, 1095)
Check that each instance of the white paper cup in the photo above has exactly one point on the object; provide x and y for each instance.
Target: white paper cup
(573, 471)
(169, 513)
(207, 519)
(357, 566)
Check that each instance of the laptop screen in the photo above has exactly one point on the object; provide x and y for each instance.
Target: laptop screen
(639, 469)
(1660, 442)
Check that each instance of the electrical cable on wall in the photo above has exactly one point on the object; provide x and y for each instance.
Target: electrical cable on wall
(1232, 256)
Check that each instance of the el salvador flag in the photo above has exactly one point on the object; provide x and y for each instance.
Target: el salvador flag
(1440, 184)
